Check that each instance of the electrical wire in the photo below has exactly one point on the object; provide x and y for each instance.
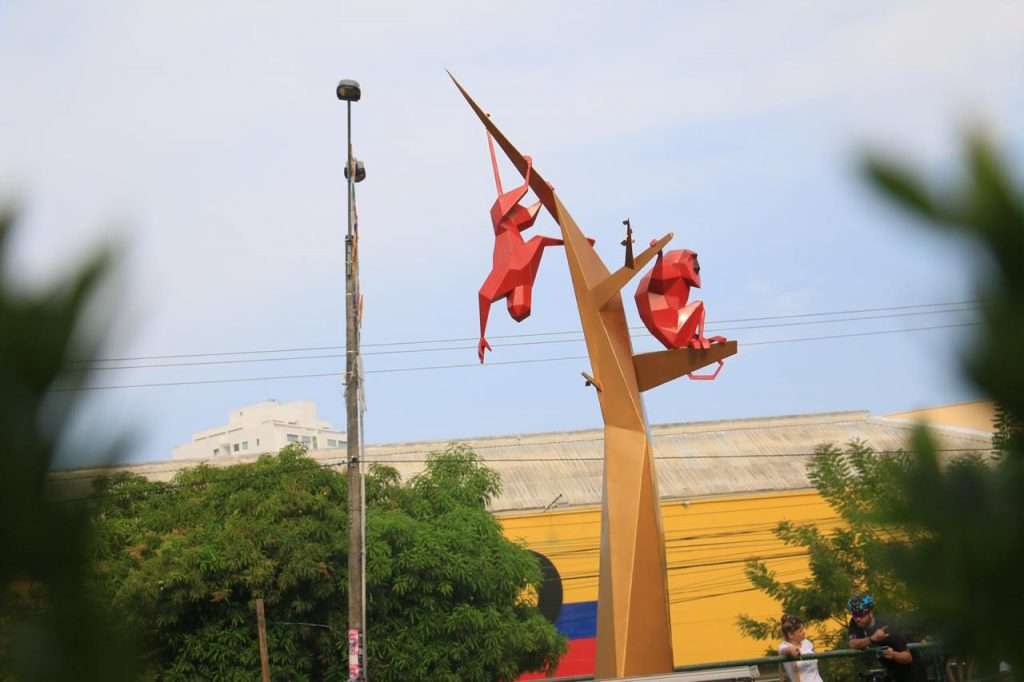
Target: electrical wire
(338, 373)
(689, 592)
(853, 311)
(388, 461)
(298, 349)
(577, 339)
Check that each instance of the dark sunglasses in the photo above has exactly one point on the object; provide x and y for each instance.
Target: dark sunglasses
(859, 614)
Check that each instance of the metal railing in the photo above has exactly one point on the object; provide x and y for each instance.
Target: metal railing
(870, 655)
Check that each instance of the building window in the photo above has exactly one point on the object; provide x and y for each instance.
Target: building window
(236, 447)
(216, 451)
(306, 440)
(331, 443)
(257, 442)
(292, 438)
(245, 445)
(315, 445)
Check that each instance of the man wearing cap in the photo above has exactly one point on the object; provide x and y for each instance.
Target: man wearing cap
(868, 630)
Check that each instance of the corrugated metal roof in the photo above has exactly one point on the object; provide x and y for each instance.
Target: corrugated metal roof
(694, 459)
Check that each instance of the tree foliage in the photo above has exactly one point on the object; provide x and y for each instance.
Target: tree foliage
(964, 570)
(1007, 431)
(187, 559)
(50, 626)
(844, 561)
(445, 590)
(449, 595)
(939, 539)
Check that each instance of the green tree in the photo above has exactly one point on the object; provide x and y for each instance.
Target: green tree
(447, 594)
(1005, 430)
(844, 561)
(964, 569)
(50, 628)
(187, 560)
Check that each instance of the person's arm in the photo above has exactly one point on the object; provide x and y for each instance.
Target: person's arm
(859, 642)
(864, 642)
(792, 669)
(855, 642)
(903, 657)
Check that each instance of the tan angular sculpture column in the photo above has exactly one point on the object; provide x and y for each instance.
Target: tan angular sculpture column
(634, 629)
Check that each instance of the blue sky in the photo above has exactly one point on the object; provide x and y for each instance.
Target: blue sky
(206, 140)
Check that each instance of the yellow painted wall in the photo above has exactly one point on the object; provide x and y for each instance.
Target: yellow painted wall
(976, 415)
(707, 541)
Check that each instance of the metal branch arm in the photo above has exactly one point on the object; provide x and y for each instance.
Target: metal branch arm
(655, 369)
(608, 289)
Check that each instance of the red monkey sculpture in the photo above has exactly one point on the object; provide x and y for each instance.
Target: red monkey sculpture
(515, 262)
(661, 299)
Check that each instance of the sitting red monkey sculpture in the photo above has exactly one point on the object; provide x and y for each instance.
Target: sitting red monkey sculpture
(515, 261)
(661, 299)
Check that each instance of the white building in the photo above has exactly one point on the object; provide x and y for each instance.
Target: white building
(264, 427)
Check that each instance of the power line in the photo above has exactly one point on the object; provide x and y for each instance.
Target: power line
(198, 382)
(423, 368)
(161, 488)
(307, 466)
(298, 349)
(732, 580)
(682, 544)
(713, 532)
(673, 567)
(679, 549)
(674, 505)
(716, 322)
(662, 433)
(678, 567)
(710, 596)
(390, 459)
(662, 458)
(578, 339)
(677, 594)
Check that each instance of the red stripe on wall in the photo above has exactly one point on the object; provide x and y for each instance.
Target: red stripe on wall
(578, 660)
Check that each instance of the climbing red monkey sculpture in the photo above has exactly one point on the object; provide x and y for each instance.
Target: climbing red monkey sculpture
(661, 298)
(515, 261)
(634, 629)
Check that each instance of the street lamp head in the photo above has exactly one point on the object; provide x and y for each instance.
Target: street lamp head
(348, 90)
(360, 170)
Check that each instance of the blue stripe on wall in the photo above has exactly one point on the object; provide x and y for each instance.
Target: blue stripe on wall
(578, 620)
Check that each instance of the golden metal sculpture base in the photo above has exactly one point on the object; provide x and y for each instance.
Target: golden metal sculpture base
(634, 628)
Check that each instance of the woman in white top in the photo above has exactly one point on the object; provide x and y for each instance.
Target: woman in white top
(796, 645)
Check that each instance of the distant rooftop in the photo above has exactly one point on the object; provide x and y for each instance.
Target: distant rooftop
(696, 459)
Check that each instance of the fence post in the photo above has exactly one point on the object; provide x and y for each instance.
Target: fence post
(261, 626)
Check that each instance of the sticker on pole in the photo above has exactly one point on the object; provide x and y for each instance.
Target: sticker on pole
(354, 656)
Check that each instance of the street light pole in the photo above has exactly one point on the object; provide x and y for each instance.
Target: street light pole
(348, 91)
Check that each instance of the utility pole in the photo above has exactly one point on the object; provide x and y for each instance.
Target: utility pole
(348, 91)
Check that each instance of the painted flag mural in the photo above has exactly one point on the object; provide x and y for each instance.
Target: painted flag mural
(578, 622)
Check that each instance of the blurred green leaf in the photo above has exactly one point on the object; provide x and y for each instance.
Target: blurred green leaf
(51, 626)
(967, 516)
